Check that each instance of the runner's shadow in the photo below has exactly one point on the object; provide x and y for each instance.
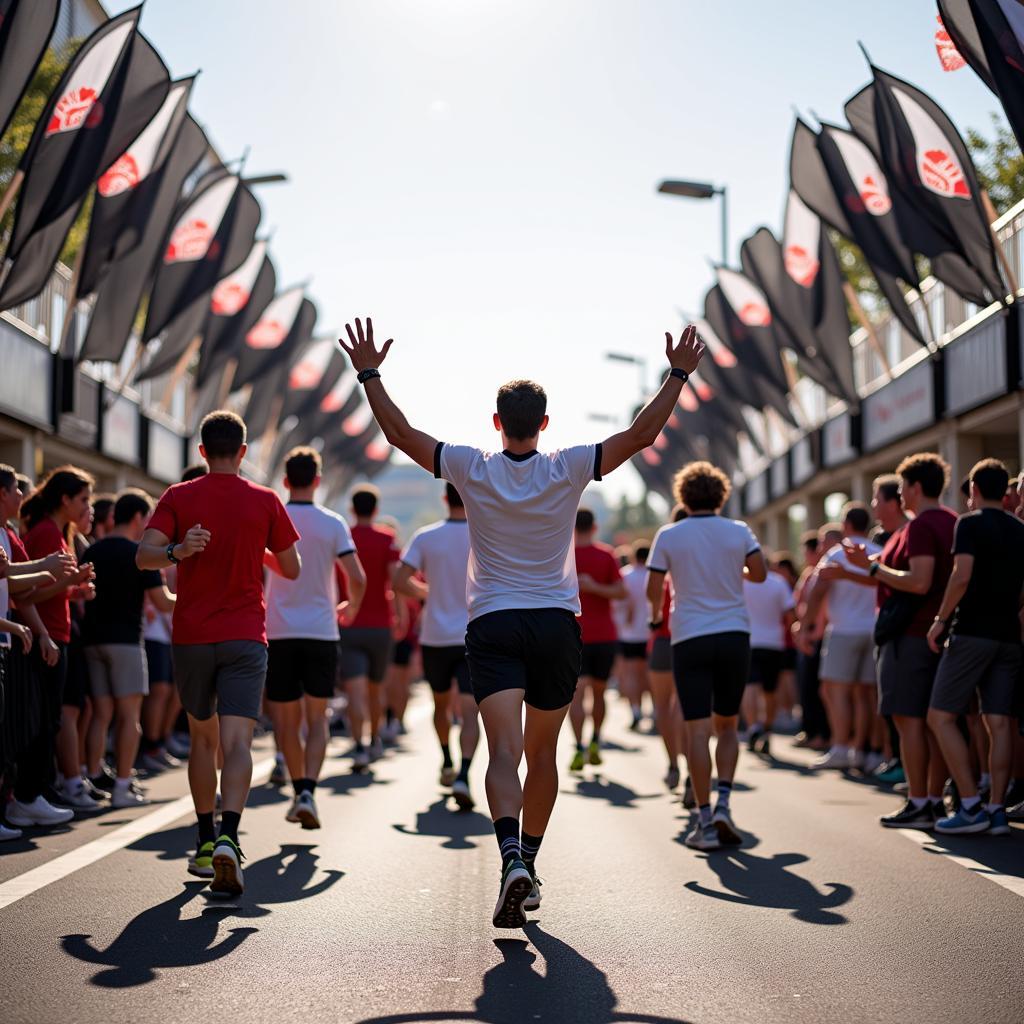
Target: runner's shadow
(619, 748)
(456, 827)
(267, 796)
(572, 989)
(994, 853)
(599, 787)
(350, 782)
(765, 882)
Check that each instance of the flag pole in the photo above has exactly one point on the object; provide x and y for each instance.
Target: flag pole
(990, 210)
(226, 381)
(270, 434)
(11, 192)
(869, 327)
(791, 381)
(72, 302)
(179, 371)
(115, 393)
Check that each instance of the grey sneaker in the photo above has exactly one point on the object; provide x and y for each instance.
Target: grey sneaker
(532, 902)
(703, 837)
(305, 810)
(728, 834)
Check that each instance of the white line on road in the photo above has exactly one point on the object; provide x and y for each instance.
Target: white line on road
(1011, 882)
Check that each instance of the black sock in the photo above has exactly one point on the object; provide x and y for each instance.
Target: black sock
(446, 753)
(311, 785)
(507, 832)
(206, 832)
(229, 821)
(303, 786)
(529, 846)
(464, 769)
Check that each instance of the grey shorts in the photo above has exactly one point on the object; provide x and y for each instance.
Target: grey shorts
(660, 658)
(365, 651)
(848, 657)
(117, 670)
(974, 663)
(225, 678)
(906, 672)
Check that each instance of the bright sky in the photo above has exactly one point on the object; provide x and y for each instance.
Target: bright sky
(479, 175)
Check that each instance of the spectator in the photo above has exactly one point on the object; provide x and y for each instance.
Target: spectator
(102, 516)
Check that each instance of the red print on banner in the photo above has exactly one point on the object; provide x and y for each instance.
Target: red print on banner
(266, 334)
(876, 200)
(949, 55)
(228, 298)
(377, 451)
(704, 391)
(190, 241)
(755, 314)
(121, 176)
(942, 174)
(801, 265)
(331, 402)
(303, 377)
(74, 109)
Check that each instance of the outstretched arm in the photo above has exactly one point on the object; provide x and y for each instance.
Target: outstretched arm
(649, 422)
(363, 354)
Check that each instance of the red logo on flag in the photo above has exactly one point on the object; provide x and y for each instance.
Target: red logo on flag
(266, 334)
(650, 456)
(704, 391)
(378, 451)
(801, 265)
(74, 109)
(303, 377)
(190, 241)
(121, 176)
(755, 314)
(949, 55)
(687, 400)
(331, 402)
(876, 200)
(228, 298)
(942, 174)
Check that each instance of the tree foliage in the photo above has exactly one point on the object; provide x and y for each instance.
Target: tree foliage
(999, 162)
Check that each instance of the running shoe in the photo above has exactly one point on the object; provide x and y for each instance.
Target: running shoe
(689, 800)
(762, 745)
(1015, 813)
(728, 834)
(460, 791)
(965, 823)
(200, 863)
(279, 776)
(448, 775)
(836, 757)
(516, 884)
(105, 778)
(152, 762)
(7, 834)
(672, 776)
(37, 812)
(890, 772)
(293, 811)
(97, 794)
(306, 811)
(227, 868)
(909, 816)
(532, 902)
(179, 745)
(594, 753)
(376, 749)
(128, 797)
(703, 837)
(1014, 792)
(637, 721)
(360, 759)
(753, 736)
(74, 794)
(1000, 823)
(579, 759)
(854, 758)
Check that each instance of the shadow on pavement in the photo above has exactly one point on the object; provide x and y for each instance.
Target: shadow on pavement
(159, 937)
(999, 855)
(456, 827)
(343, 784)
(572, 989)
(765, 882)
(599, 787)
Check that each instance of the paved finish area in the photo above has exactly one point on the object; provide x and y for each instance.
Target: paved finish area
(383, 916)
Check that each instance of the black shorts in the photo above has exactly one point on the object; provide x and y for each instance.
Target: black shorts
(365, 651)
(537, 650)
(766, 666)
(597, 660)
(159, 662)
(297, 667)
(76, 677)
(629, 650)
(442, 665)
(711, 673)
(402, 654)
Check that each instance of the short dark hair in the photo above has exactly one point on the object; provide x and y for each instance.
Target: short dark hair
(364, 500)
(809, 539)
(857, 515)
(8, 476)
(584, 520)
(990, 476)
(678, 513)
(522, 405)
(928, 469)
(302, 466)
(453, 497)
(129, 504)
(222, 433)
(888, 485)
(101, 506)
(641, 549)
(701, 487)
(194, 472)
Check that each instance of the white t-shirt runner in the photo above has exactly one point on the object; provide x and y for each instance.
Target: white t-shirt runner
(705, 555)
(441, 553)
(767, 602)
(522, 519)
(631, 613)
(851, 606)
(305, 609)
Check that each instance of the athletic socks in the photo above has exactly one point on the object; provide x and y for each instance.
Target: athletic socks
(705, 814)
(229, 821)
(724, 792)
(971, 804)
(507, 832)
(529, 846)
(206, 832)
(920, 801)
(464, 769)
(304, 786)
(446, 753)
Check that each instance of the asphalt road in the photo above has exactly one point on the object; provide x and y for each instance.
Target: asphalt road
(383, 916)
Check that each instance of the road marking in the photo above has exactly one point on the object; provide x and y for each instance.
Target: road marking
(1011, 882)
(60, 867)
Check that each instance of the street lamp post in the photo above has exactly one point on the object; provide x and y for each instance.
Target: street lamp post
(703, 190)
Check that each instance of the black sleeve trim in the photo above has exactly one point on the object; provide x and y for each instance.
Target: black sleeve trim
(348, 551)
(651, 568)
(437, 460)
(597, 460)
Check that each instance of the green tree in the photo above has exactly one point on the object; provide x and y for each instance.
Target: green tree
(1000, 163)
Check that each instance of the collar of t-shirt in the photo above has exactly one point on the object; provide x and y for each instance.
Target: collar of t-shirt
(519, 456)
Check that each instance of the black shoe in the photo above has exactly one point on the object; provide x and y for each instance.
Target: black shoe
(1014, 792)
(754, 737)
(103, 780)
(939, 810)
(761, 745)
(909, 816)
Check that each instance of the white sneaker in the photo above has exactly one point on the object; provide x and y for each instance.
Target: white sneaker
(855, 758)
(127, 797)
(9, 833)
(836, 757)
(460, 791)
(306, 811)
(293, 812)
(76, 795)
(872, 759)
(38, 812)
(376, 749)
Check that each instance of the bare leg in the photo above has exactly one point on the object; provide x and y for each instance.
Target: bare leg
(863, 713)
(1000, 754)
(287, 718)
(502, 714)
(913, 754)
(727, 750)
(577, 714)
(698, 738)
(663, 692)
(317, 734)
(839, 711)
(469, 736)
(358, 709)
(597, 710)
(202, 762)
(96, 740)
(68, 759)
(376, 702)
(954, 749)
(442, 716)
(154, 712)
(236, 742)
(541, 787)
(127, 733)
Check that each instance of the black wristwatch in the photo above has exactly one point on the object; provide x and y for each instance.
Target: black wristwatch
(169, 552)
(873, 568)
(368, 374)
(652, 626)
(679, 374)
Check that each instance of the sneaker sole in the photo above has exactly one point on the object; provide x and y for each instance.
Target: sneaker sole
(308, 819)
(966, 830)
(529, 904)
(509, 912)
(464, 800)
(727, 834)
(703, 846)
(921, 826)
(226, 876)
(194, 869)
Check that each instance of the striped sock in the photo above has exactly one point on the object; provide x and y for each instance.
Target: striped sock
(507, 832)
(724, 792)
(530, 846)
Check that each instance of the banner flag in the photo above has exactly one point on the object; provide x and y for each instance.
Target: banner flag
(958, 40)
(25, 28)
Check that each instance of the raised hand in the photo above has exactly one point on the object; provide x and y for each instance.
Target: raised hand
(60, 564)
(856, 554)
(193, 542)
(687, 354)
(361, 351)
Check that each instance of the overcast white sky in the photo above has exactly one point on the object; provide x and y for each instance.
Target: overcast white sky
(479, 175)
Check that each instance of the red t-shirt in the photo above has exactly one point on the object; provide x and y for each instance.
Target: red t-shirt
(220, 590)
(928, 534)
(44, 539)
(665, 629)
(597, 561)
(375, 546)
(18, 552)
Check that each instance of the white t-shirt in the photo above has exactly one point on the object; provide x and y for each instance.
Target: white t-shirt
(632, 628)
(705, 555)
(305, 609)
(851, 606)
(5, 604)
(766, 604)
(441, 552)
(522, 519)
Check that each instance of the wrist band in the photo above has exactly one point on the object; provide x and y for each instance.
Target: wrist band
(169, 552)
(679, 374)
(368, 374)
(654, 625)
(873, 568)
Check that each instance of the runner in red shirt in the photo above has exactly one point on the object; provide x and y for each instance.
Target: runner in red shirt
(597, 569)
(222, 530)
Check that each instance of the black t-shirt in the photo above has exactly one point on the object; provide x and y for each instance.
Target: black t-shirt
(990, 607)
(114, 616)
